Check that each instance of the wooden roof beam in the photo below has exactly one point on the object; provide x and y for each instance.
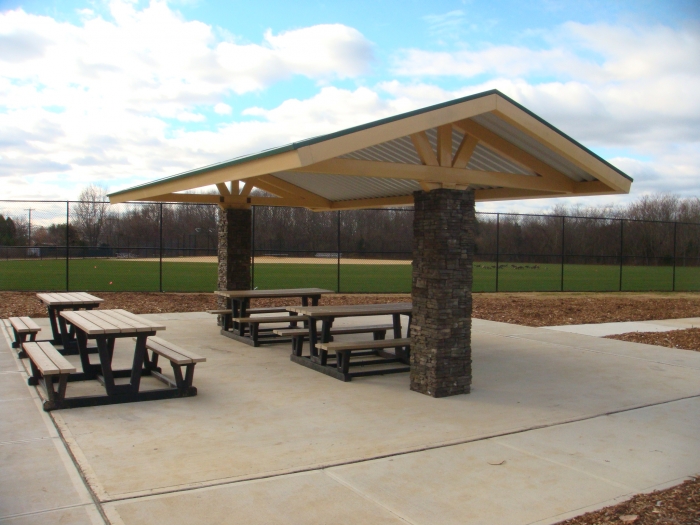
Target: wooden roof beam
(293, 190)
(437, 174)
(424, 149)
(502, 146)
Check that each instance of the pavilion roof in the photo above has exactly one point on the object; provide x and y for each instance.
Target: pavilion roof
(486, 142)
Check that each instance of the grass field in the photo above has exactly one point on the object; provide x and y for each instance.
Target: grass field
(117, 275)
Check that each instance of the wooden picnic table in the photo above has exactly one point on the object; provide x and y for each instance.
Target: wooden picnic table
(240, 306)
(318, 358)
(105, 326)
(58, 302)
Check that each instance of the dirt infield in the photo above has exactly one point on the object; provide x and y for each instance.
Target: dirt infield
(273, 260)
(531, 309)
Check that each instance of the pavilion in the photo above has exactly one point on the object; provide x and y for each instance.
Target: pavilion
(440, 159)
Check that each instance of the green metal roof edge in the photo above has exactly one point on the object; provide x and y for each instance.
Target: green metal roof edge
(321, 138)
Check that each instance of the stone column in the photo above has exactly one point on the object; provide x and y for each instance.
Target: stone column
(443, 251)
(234, 249)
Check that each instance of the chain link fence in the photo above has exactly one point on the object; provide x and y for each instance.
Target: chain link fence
(59, 246)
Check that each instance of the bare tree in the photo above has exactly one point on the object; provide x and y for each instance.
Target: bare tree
(90, 213)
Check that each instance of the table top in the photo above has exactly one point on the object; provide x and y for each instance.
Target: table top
(353, 310)
(100, 322)
(68, 299)
(260, 294)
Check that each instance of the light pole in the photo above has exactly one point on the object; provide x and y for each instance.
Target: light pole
(29, 234)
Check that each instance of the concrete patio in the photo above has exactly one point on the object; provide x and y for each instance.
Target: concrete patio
(557, 423)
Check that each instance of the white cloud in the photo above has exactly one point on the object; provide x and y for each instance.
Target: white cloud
(87, 101)
(222, 109)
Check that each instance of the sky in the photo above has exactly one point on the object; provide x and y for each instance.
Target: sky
(121, 92)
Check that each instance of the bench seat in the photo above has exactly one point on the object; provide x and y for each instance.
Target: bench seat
(48, 366)
(178, 358)
(23, 327)
(267, 310)
(344, 351)
(255, 322)
(226, 321)
(298, 335)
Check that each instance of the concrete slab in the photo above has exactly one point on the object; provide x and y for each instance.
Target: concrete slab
(34, 478)
(273, 417)
(605, 329)
(651, 353)
(639, 449)
(82, 515)
(311, 499)
(13, 385)
(474, 483)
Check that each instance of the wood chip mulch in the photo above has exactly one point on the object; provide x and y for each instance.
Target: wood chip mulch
(679, 505)
(686, 339)
(525, 309)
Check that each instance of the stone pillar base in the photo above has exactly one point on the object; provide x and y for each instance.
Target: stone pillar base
(234, 250)
(443, 251)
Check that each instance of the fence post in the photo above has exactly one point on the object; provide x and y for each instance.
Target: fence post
(161, 248)
(622, 232)
(338, 276)
(563, 232)
(498, 237)
(675, 228)
(67, 246)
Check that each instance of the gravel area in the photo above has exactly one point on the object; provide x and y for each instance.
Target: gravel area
(679, 505)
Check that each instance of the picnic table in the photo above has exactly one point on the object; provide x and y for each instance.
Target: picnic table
(58, 302)
(320, 343)
(246, 329)
(105, 326)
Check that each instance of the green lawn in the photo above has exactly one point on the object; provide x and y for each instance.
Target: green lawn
(119, 275)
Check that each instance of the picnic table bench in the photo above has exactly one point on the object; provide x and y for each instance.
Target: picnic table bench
(241, 326)
(178, 358)
(63, 334)
(226, 314)
(298, 335)
(47, 366)
(344, 352)
(23, 327)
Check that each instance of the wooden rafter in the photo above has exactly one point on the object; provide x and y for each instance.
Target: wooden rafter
(424, 149)
(502, 146)
(465, 151)
(247, 187)
(394, 170)
(223, 189)
(295, 191)
(405, 200)
(444, 145)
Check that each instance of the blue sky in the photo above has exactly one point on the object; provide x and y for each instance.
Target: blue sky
(119, 92)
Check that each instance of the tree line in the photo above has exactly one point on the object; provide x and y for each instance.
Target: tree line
(646, 231)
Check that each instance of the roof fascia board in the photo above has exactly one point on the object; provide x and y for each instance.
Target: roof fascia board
(261, 166)
(567, 147)
(394, 129)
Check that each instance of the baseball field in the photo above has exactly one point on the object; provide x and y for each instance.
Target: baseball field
(351, 275)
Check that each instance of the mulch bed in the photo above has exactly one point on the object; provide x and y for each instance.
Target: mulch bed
(685, 339)
(530, 309)
(679, 505)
